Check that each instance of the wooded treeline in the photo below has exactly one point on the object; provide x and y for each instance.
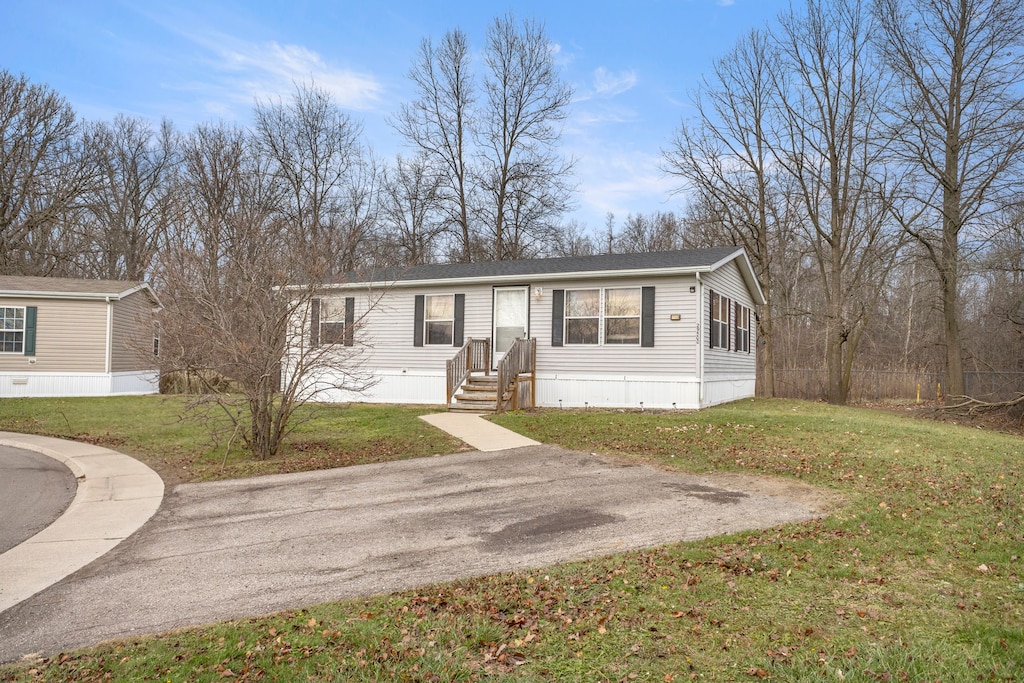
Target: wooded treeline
(868, 155)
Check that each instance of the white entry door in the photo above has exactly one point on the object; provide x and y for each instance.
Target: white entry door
(511, 318)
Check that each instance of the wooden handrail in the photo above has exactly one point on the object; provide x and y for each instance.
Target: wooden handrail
(474, 355)
(521, 358)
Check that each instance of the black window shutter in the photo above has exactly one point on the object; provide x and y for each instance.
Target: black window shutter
(350, 319)
(314, 323)
(460, 319)
(30, 330)
(417, 332)
(713, 331)
(557, 316)
(736, 325)
(647, 316)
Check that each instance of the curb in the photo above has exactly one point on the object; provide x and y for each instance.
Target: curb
(116, 495)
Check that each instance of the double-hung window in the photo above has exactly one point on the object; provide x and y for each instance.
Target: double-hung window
(332, 322)
(622, 316)
(582, 316)
(439, 319)
(742, 328)
(12, 329)
(720, 307)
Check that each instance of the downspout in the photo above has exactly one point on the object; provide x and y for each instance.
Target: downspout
(700, 342)
(110, 334)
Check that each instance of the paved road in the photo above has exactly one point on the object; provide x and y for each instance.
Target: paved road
(34, 491)
(245, 547)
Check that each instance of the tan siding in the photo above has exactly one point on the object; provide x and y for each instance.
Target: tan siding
(721, 362)
(70, 337)
(132, 340)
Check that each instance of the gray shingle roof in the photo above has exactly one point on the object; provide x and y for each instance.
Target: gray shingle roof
(683, 258)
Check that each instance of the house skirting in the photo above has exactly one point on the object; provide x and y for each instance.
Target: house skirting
(554, 390)
(40, 384)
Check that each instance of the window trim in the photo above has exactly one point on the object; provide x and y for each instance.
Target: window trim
(20, 345)
(340, 326)
(719, 336)
(639, 317)
(427, 320)
(559, 327)
(742, 333)
(566, 317)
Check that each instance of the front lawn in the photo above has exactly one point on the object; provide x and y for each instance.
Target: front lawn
(151, 429)
(916, 576)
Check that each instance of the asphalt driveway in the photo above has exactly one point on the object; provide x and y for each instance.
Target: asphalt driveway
(246, 547)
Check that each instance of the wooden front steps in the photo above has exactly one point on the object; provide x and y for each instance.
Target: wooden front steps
(478, 394)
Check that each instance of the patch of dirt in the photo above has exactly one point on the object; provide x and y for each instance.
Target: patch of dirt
(818, 499)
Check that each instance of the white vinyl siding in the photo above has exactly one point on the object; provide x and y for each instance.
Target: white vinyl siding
(726, 363)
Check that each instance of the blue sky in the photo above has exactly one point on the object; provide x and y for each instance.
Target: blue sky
(632, 65)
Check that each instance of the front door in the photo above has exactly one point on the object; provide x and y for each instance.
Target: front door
(511, 318)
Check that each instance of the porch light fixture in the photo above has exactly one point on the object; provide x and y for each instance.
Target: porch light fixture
(693, 290)
(538, 292)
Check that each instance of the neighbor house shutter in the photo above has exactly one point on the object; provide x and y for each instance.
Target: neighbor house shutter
(557, 316)
(350, 319)
(460, 317)
(417, 332)
(314, 323)
(30, 331)
(647, 316)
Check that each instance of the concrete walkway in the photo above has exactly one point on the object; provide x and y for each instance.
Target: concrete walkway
(116, 495)
(477, 432)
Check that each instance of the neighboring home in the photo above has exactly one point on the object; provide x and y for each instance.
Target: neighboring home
(68, 337)
(658, 330)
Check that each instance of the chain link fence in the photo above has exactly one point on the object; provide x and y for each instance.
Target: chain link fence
(896, 385)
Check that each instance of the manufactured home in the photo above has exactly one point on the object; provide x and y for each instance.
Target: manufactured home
(70, 337)
(657, 330)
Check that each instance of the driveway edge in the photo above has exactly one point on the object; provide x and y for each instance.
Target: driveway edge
(116, 495)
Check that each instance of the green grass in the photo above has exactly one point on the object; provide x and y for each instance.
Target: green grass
(152, 429)
(915, 576)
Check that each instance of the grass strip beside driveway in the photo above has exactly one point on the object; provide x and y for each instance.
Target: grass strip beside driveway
(916, 577)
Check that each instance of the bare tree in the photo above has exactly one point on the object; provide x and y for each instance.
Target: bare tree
(439, 124)
(829, 145)
(411, 211)
(313, 150)
(572, 240)
(227, 322)
(959, 65)
(44, 174)
(525, 179)
(126, 212)
(726, 160)
(641, 233)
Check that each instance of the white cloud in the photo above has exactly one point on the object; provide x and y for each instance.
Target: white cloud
(725, 3)
(609, 83)
(247, 71)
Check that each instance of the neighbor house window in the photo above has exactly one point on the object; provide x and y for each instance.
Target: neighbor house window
(439, 319)
(622, 316)
(12, 329)
(742, 328)
(582, 316)
(719, 321)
